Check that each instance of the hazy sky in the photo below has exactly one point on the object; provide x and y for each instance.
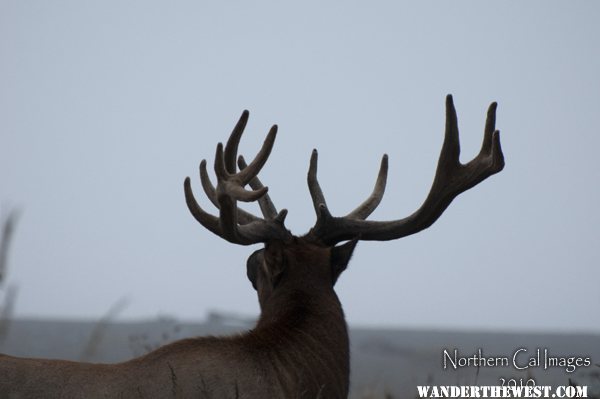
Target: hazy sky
(106, 106)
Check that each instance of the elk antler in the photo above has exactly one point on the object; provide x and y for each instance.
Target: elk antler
(233, 224)
(451, 179)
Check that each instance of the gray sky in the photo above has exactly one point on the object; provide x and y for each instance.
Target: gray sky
(105, 107)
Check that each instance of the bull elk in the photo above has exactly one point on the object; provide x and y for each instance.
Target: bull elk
(299, 347)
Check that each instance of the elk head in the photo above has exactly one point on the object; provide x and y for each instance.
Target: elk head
(314, 259)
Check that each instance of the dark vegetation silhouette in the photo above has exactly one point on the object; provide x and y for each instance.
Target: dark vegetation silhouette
(10, 291)
(299, 347)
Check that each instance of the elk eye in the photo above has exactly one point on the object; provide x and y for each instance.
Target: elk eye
(252, 265)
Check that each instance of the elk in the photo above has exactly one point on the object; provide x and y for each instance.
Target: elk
(299, 347)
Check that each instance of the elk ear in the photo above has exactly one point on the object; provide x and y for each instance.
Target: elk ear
(340, 256)
(274, 263)
(252, 264)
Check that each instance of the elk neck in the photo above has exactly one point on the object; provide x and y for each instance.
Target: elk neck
(309, 309)
(305, 316)
(306, 330)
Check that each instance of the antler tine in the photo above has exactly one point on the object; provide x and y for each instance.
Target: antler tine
(234, 141)
(266, 205)
(230, 189)
(207, 220)
(490, 127)
(449, 157)
(451, 179)
(210, 191)
(318, 199)
(491, 139)
(207, 185)
(370, 204)
(259, 161)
